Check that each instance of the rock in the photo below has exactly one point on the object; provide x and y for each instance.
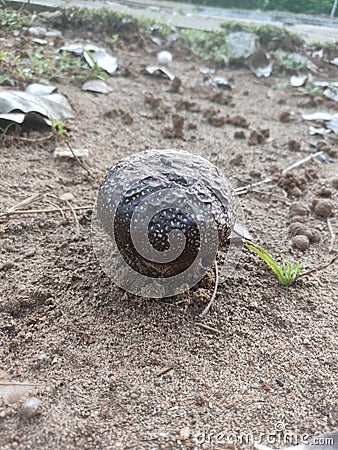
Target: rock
(301, 241)
(322, 207)
(30, 408)
(334, 183)
(241, 45)
(185, 433)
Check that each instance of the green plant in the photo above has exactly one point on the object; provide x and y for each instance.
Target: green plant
(286, 272)
(114, 38)
(58, 126)
(288, 64)
(95, 70)
(209, 45)
(12, 19)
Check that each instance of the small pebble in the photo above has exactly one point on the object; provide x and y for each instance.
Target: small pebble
(301, 241)
(7, 265)
(30, 252)
(30, 408)
(255, 174)
(322, 208)
(185, 433)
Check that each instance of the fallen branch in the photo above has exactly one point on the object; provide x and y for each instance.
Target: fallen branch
(208, 327)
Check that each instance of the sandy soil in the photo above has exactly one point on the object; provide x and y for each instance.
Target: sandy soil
(118, 371)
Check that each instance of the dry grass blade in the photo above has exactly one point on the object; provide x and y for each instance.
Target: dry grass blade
(25, 202)
(207, 308)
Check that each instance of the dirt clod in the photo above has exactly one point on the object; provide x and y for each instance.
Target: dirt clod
(239, 134)
(301, 241)
(286, 117)
(294, 145)
(238, 121)
(322, 207)
(298, 209)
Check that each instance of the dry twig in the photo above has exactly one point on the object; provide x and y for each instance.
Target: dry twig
(317, 269)
(333, 236)
(78, 160)
(208, 327)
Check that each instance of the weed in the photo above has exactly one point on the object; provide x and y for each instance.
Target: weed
(95, 70)
(209, 45)
(12, 19)
(286, 272)
(114, 38)
(287, 64)
(58, 126)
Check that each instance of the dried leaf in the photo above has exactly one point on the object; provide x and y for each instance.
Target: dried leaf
(298, 80)
(259, 64)
(99, 86)
(40, 89)
(52, 105)
(160, 70)
(102, 59)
